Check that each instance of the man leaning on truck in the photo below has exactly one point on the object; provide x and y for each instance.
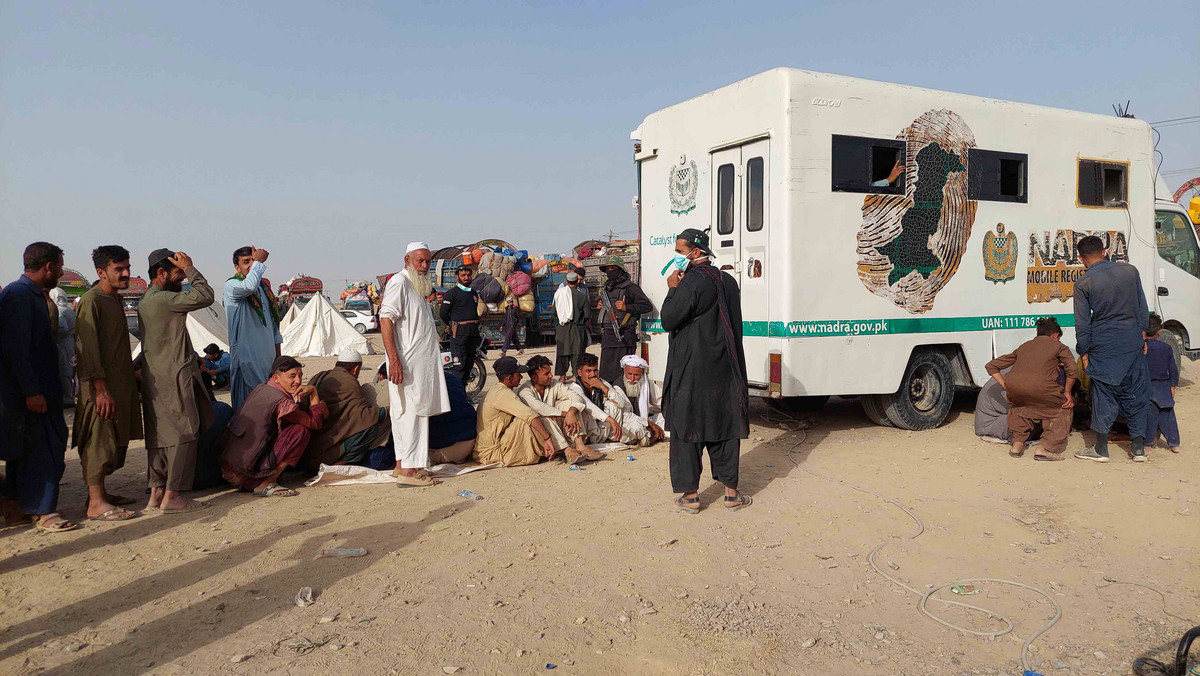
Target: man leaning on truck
(1110, 318)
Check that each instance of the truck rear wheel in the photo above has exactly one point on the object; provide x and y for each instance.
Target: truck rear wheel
(875, 406)
(926, 392)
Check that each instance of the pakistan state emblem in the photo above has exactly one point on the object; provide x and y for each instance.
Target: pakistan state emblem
(999, 256)
(682, 184)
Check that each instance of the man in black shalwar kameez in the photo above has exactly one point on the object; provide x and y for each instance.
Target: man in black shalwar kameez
(705, 393)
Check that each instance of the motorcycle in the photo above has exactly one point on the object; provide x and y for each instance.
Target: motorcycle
(476, 378)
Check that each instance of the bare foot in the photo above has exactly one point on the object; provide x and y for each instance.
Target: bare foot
(176, 502)
(97, 507)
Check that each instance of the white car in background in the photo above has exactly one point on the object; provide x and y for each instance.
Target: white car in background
(360, 320)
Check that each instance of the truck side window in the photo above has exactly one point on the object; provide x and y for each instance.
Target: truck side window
(754, 194)
(1177, 242)
(1102, 184)
(725, 199)
(997, 176)
(868, 165)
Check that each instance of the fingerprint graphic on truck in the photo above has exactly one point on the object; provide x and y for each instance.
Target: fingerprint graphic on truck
(910, 245)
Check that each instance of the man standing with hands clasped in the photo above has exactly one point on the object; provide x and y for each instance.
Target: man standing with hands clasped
(176, 404)
(705, 392)
(253, 319)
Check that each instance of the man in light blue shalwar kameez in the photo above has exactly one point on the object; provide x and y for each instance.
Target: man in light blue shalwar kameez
(253, 324)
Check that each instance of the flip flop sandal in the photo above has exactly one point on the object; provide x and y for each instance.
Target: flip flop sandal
(684, 504)
(114, 514)
(120, 500)
(1048, 458)
(274, 490)
(739, 501)
(1011, 454)
(60, 526)
(195, 506)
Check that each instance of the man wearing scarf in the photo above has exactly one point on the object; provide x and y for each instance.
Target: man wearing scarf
(645, 400)
(622, 305)
(254, 336)
(705, 391)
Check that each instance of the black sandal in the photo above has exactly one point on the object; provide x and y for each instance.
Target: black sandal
(741, 500)
(683, 504)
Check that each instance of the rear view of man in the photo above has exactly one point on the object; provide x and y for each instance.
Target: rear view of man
(570, 336)
(110, 409)
(1110, 324)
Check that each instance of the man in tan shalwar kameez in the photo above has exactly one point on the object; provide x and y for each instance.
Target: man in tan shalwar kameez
(510, 432)
(110, 410)
(176, 404)
(560, 408)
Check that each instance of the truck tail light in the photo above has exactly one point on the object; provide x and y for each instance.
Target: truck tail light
(646, 351)
(776, 386)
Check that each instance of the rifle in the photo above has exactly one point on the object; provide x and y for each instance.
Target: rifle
(606, 303)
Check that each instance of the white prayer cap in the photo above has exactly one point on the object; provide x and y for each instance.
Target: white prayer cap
(572, 277)
(634, 360)
(349, 356)
(416, 246)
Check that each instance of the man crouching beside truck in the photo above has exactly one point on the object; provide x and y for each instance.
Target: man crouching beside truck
(1039, 388)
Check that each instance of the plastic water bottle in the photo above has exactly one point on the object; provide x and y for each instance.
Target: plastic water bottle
(470, 495)
(629, 458)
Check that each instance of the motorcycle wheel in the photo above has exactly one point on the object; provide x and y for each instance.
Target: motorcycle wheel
(476, 380)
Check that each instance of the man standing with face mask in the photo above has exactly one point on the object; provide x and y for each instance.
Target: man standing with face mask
(705, 392)
(174, 400)
(621, 308)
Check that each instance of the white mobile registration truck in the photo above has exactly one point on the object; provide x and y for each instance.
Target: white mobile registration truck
(889, 240)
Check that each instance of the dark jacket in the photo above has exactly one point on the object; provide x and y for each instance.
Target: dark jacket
(705, 387)
(1110, 316)
(28, 367)
(636, 305)
(349, 410)
(252, 431)
(457, 424)
(1164, 374)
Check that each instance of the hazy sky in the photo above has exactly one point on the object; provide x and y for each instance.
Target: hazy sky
(333, 133)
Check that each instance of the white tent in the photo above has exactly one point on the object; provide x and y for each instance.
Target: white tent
(204, 327)
(287, 318)
(321, 331)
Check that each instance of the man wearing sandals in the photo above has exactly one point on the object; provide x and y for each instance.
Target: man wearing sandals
(31, 421)
(560, 408)
(270, 431)
(705, 392)
(416, 384)
(509, 432)
(110, 410)
(175, 402)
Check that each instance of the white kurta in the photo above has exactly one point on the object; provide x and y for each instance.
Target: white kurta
(617, 407)
(424, 392)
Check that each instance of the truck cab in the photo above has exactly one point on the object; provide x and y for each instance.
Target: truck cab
(1177, 278)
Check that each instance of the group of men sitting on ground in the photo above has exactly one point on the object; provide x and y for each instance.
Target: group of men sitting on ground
(523, 422)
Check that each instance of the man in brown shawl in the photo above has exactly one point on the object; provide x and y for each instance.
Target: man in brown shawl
(110, 410)
(354, 426)
(176, 404)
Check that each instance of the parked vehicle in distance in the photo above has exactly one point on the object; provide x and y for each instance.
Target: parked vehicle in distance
(360, 320)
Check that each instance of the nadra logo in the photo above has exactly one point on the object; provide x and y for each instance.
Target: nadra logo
(656, 240)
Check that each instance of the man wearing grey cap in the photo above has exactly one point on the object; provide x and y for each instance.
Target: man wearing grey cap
(175, 402)
(354, 426)
(570, 336)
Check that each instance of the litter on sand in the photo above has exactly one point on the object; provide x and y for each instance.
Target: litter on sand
(343, 552)
(304, 597)
(964, 589)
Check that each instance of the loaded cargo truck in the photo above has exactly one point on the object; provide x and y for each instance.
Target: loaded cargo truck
(889, 240)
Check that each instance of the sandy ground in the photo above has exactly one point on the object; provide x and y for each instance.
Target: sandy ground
(595, 571)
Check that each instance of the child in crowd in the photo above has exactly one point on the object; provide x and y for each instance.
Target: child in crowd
(1164, 377)
(1036, 393)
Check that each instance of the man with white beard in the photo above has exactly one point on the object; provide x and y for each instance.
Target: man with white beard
(644, 397)
(416, 387)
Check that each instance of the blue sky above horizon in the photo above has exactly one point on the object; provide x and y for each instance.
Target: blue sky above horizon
(334, 133)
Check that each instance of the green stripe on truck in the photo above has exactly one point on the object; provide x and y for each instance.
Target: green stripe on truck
(882, 327)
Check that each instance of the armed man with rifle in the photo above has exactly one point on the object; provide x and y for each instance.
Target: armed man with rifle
(622, 304)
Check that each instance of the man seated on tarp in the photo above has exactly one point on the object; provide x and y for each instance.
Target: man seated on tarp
(644, 414)
(604, 416)
(561, 410)
(354, 427)
(510, 432)
(451, 434)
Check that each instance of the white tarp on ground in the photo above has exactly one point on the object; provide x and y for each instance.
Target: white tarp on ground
(287, 318)
(205, 327)
(321, 331)
(352, 475)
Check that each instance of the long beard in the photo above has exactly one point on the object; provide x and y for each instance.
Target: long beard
(420, 282)
(633, 390)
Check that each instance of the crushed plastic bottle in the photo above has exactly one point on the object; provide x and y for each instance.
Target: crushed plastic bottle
(629, 458)
(470, 495)
(343, 552)
(304, 597)
(577, 468)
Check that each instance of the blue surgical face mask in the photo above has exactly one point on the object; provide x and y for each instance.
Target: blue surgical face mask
(463, 287)
(679, 262)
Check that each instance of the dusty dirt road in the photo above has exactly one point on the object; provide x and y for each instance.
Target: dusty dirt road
(595, 572)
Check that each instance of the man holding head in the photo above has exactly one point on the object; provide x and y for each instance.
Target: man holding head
(253, 320)
(174, 399)
(31, 420)
(416, 386)
(1111, 317)
(110, 409)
